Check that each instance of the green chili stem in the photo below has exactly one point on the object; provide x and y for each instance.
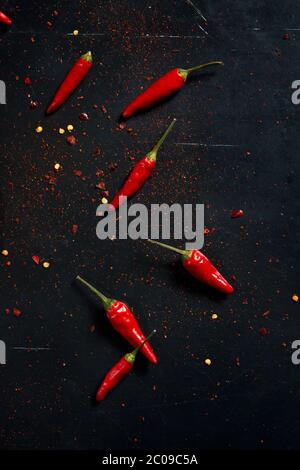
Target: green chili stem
(202, 66)
(169, 247)
(88, 56)
(105, 300)
(130, 357)
(153, 152)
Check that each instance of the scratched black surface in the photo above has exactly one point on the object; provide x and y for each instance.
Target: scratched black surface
(245, 154)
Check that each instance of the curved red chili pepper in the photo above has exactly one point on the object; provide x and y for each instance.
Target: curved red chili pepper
(123, 321)
(141, 172)
(201, 268)
(161, 89)
(119, 371)
(77, 73)
(4, 19)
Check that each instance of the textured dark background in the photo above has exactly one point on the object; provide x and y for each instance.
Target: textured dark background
(235, 147)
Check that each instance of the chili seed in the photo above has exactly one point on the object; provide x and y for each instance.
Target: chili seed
(46, 264)
(61, 130)
(39, 129)
(75, 32)
(208, 361)
(295, 298)
(4, 252)
(70, 127)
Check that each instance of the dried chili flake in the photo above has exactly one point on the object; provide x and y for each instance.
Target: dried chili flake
(78, 173)
(103, 109)
(83, 117)
(285, 37)
(16, 312)
(7, 311)
(36, 259)
(71, 140)
(49, 24)
(33, 104)
(97, 152)
(27, 81)
(99, 173)
(74, 229)
(263, 331)
(112, 166)
(101, 185)
(237, 213)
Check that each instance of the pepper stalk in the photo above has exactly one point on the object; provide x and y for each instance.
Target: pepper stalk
(106, 301)
(153, 152)
(184, 73)
(130, 357)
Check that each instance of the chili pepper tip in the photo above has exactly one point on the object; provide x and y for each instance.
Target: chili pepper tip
(130, 357)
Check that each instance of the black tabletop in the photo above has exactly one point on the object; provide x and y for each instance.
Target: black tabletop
(235, 146)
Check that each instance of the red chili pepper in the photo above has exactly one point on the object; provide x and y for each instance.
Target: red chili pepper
(161, 89)
(118, 371)
(123, 321)
(4, 19)
(77, 73)
(201, 268)
(141, 172)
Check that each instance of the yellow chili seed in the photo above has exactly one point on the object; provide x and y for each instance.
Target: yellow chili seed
(208, 362)
(70, 127)
(57, 167)
(214, 316)
(39, 129)
(4, 252)
(295, 298)
(75, 32)
(61, 130)
(104, 200)
(46, 264)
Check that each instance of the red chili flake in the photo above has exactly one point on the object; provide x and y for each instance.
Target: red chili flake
(7, 311)
(49, 24)
(122, 125)
(266, 313)
(233, 277)
(83, 117)
(237, 361)
(95, 106)
(237, 213)
(33, 104)
(36, 259)
(74, 229)
(71, 140)
(206, 231)
(99, 173)
(32, 39)
(55, 13)
(112, 166)
(129, 130)
(103, 109)
(285, 37)
(101, 185)
(27, 81)
(17, 312)
(105, 194)
(8, 263)
(97, 152)
(92, 328)
(78, 173)
(263, 331)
